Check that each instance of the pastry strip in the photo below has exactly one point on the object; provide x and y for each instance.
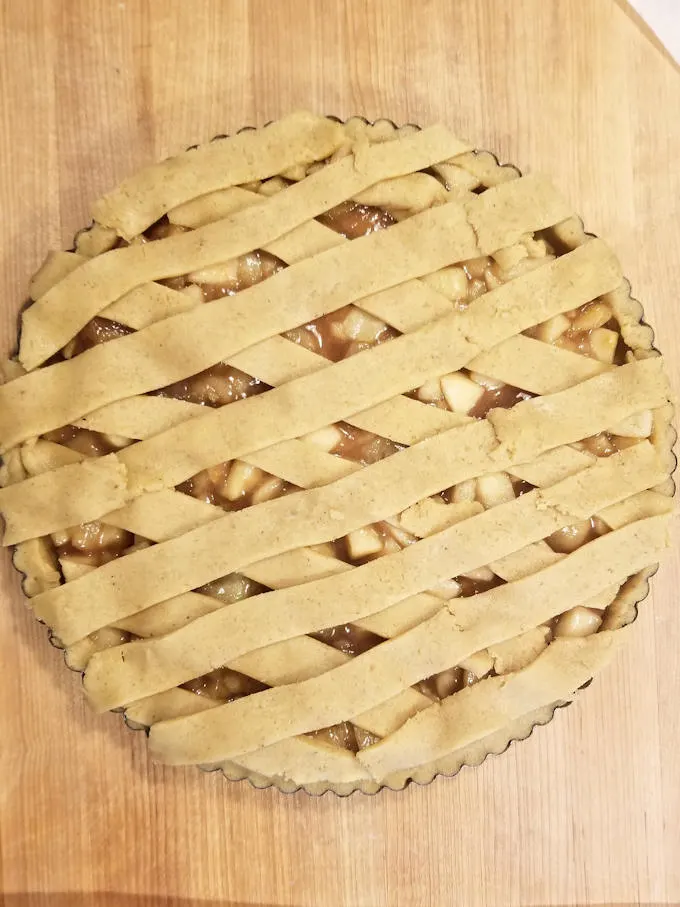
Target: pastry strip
(139, 580)
(288, 569)
(101, 485)
(340, 389)
(151, 302)
(313, 760)
(56, 317)
(212, 161)
(534, 366)
(526, 561)
(422, 304)
(534, 424)
(183, 513)
(297, 769)
(56, 267)
(301, 463)
(300, 658)
(171, 704)
(235, 539)
(344, 388)
(281, 571)
(140, 417)
(146, 304)
(528, 472)
(139, 308)
(635, 507)
(154, 665)
(563, 667)
(529, 364)
(553, 465)
(316, 760)
(142, 199)
(430, 516)
(382, 672)
(187, 343)
(212, 206)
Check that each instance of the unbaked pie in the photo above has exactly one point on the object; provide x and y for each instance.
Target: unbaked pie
(335, 454)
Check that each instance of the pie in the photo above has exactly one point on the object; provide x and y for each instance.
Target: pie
(337, 455)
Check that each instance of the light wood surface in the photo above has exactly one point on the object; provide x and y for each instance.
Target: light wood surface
(585, 812)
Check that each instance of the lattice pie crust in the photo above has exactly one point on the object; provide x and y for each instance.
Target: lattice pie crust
(335, 454)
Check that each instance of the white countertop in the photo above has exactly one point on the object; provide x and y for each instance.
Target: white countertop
(663, 17)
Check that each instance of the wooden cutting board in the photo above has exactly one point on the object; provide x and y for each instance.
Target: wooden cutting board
(585, 812)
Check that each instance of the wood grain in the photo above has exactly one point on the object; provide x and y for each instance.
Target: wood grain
(585, 812)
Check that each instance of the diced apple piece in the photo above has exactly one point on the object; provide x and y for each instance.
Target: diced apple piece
(431, 391)
(325, 438)
(476, 288)
(480, 575)
(361, 326)
(95, 536)
(639, 425)
(230, 588)
(569, 538)
(194, 292)
(224, 273)
(495, 488)
(592, 316)
(446, 682)
(451, 282)
(61, 537)
(603, 344)
(73, 567)
(272, 186)
(400, 535)
(390, 545)
(492, 280)
(491, 384)
(242, 479)
(578, 622)
(268, 490)
(477, 266)
(623, 443)
(460, 392)
(550, 330)
(363, 542)
(600, 444)
(295, 173)
(446, 590)
(465, 491)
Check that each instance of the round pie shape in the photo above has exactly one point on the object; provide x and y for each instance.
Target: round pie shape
(336, 454)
